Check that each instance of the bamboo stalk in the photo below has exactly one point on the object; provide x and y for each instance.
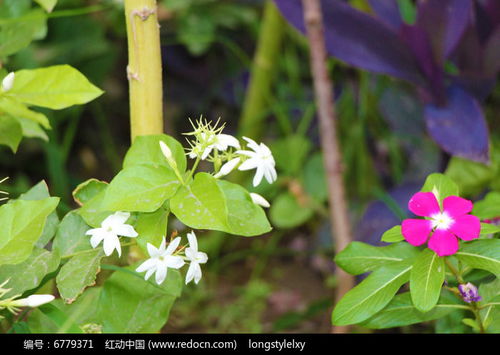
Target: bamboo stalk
(144, 69)
(263, 68)
(323, 88)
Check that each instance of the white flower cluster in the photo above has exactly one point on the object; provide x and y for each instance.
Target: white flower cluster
(165, 257)
(12, 304)
(211, 144)
(161, 258)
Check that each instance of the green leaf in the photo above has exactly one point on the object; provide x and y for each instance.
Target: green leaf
(490, 293)
(393, 235)
(401, 312)
(129, 304)
(92, 212)
(142, 188)
(54, 87)
(244, 216)
(59, 317)
(32, 129)
(17, 32)
(488, 228)
(470, 176)
(426, 280)
(22, 223)
(286, 212)
(19, 110)
(39, 192)
(48, 5)
(471, 323)
(88, 190)
(371, 295)
(481, 254)
(358, 258)
(201, 204)
(78, 273)
(146, 150)
(441, 185)
(489, 207)
(11, 132)
(30, 273)
(151, 227)
(70, 236)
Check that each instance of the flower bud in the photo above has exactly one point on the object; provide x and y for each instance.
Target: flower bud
(469, 292)
(259, 200)
(8, 81)
(33, 301)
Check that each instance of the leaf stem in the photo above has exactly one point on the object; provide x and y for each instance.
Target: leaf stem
(454, 271)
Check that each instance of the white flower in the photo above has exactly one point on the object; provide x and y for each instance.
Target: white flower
(113, 226)
(227, 168)
(196, 258)
(160, 260)
(261, 159)
(8, 81)
(221, 142)
(259, 200)
(33, 301)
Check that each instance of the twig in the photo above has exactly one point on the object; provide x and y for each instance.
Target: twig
(323, 88)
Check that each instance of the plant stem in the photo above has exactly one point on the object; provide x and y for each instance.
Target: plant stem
(323, 87)
(144, 68)
(263, 70)
(454, 271)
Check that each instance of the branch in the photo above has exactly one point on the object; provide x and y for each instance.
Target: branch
(323, 88)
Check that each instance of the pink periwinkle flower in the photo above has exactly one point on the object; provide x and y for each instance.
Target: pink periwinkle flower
(443, 227)
(469, 292)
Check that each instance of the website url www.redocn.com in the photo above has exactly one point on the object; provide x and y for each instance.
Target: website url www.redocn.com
(192, 344)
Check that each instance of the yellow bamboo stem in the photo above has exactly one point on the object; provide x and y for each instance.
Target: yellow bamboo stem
(144, 68)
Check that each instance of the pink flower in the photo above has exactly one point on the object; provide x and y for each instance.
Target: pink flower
(444, 227)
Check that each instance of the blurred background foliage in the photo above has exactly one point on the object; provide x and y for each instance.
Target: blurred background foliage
(282, 281)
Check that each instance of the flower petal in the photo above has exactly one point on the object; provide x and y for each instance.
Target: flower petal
(111, 242)
(115, 219)
(152, 250)
(174, 262)
(252, 144)
(456, 206)
(424, 204)
(161, 274)
(147, 265)
(416, 231)
(201, 257)
(249, 164)
(197, 273)
(466, 227)
(96, 239)
(227, 167)
(193, 243)
(173, 246)
(149, 273)
(190, 273)
(125, 230)
(443, 242)
(258, 176)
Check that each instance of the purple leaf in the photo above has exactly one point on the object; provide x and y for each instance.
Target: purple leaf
(419, 42)
(388, 12)
(459, 127)
(445, 22)
(359, 39)
(492, 54)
